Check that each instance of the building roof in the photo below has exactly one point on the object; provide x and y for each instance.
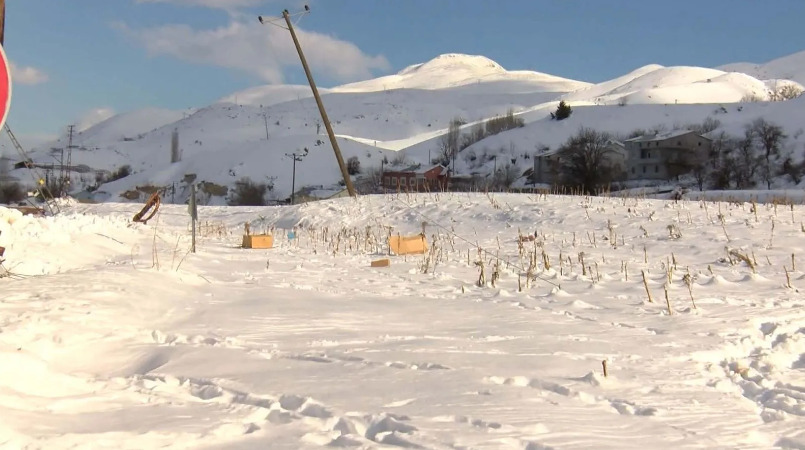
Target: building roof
(417, 169)
(662, 136)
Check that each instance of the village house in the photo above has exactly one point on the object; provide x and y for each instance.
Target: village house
(416, 178)
(548, 165)
(665, 155)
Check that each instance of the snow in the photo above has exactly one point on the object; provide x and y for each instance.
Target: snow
(404, 117)
(790, 67)
(518, 146)
(113, 335)
(453, 70)
(656, 84)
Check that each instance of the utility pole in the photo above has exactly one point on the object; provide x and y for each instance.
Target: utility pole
(324, 118)
(66, 170)
(295, 157)
(265, 119)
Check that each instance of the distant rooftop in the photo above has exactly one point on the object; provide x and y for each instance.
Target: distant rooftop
(415, 168)
(660, 136)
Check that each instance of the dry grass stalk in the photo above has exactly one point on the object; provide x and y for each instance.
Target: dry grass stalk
(645, 284)
(742, 257)
(481, 275)
(787, 278)
(724, 225)
(668, 301)
(689, 283)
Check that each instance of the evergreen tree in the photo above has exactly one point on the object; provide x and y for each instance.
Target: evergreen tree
(563, 111)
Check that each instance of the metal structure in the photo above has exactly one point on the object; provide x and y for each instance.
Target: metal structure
(296, 157)
(42, 187)
(287, 16)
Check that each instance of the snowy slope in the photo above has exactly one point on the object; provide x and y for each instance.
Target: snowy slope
(270, 95)
(124, 126)
(791, 67)
(124, 339)
(452, 70)
(249, 132)
(518, 146)
(663, 85)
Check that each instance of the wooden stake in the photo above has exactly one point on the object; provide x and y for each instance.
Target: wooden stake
(604, 364)
(668, 302)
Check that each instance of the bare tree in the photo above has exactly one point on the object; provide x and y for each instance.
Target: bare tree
(787, 91)
(448, 146)
(506, 176)
(770, 137)
(746, 161)
(588, 160)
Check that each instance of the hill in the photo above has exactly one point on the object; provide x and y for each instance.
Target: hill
(791, 67)
(402, 117)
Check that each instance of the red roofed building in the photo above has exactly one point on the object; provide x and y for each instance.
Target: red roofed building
(416, 178)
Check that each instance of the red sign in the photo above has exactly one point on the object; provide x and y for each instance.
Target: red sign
(5, 86)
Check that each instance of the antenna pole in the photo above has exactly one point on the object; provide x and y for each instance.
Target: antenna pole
(325, 119)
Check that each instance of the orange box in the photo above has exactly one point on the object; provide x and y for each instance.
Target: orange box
(408, 245)
(381, 263)
(258, 241)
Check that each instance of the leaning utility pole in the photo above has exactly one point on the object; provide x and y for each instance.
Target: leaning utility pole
(325, 119)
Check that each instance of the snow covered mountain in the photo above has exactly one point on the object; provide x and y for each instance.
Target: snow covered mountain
(454, 70)
(791, 67)
(403, 117)
(672, 85)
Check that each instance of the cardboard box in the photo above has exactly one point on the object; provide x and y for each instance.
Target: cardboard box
(408, 245)
(258, 241)
(381, 263)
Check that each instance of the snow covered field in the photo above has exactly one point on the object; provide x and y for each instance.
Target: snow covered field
(112, 335)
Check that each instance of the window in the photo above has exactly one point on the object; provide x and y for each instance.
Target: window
(403, 181)
(657, 144)
(700, 144)
(678, 142)
(645, 154)
(633, 171)
(656, 169)
(644, 169)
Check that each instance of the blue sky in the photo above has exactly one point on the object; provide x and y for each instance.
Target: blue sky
(79, 61)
